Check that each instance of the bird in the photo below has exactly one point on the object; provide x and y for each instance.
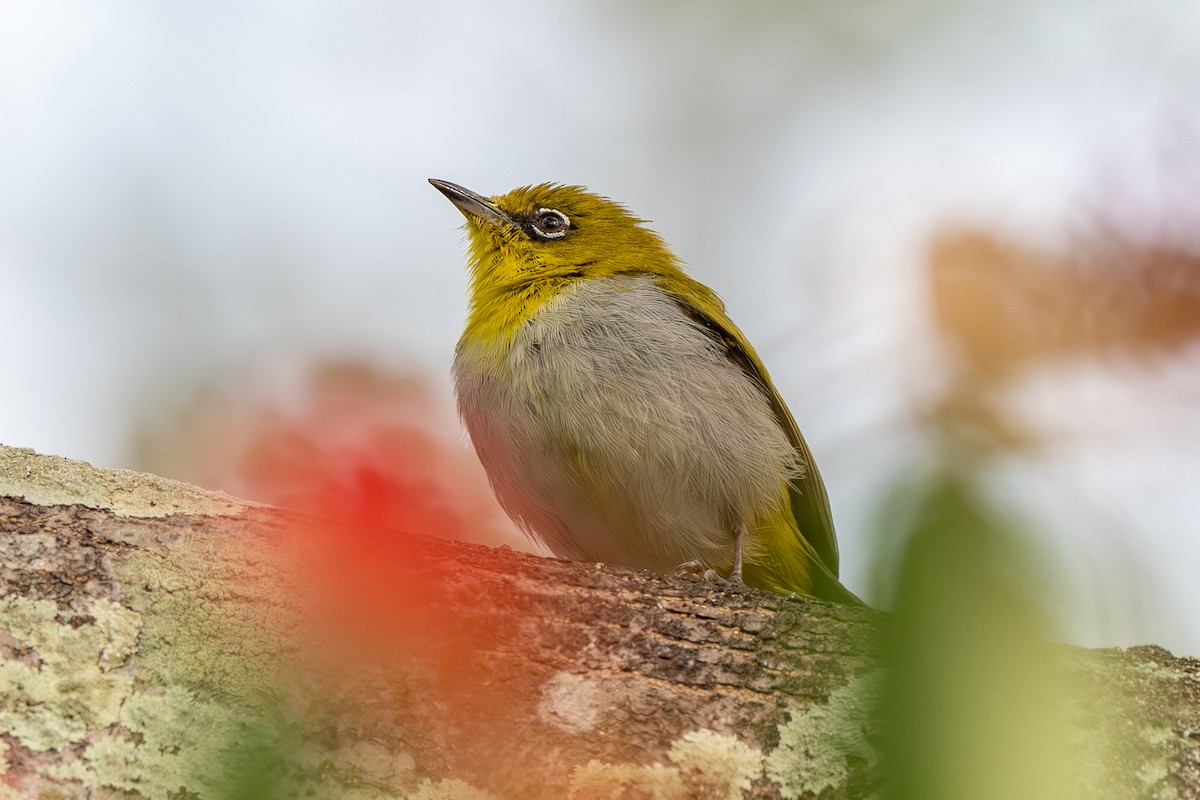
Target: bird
(619, 413)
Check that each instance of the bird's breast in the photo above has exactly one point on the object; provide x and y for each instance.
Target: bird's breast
(612, 381)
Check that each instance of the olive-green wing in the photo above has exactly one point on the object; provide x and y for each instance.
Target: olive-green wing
(809, 501)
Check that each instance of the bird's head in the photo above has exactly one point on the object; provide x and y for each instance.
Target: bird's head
(550, 231)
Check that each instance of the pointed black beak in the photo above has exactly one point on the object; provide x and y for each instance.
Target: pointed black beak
(470, 203)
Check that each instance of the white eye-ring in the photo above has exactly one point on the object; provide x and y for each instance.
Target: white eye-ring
(550, 224)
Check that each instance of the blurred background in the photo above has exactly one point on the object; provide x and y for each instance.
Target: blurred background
(962, 235)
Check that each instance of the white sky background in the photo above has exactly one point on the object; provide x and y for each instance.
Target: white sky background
(185, 187)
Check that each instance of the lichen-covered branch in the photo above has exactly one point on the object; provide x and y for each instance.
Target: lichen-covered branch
(160, 641)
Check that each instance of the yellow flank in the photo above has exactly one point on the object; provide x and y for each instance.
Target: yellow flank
(620, 413)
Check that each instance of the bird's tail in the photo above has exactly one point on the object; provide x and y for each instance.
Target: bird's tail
(780, 559)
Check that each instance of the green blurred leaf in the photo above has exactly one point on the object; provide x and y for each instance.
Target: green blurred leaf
(971, 705)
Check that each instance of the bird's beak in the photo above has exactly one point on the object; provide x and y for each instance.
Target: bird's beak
(472, 205)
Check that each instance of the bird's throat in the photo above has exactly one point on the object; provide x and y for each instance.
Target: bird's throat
(498, 312)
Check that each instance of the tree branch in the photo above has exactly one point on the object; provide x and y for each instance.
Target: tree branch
(157, 640)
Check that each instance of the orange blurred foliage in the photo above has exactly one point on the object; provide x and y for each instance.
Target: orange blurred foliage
(1004, 310)
(1005, 307)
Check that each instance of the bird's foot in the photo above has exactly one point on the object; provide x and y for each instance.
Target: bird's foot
(696, 571)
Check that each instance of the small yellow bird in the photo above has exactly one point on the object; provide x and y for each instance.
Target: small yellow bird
(620, 414)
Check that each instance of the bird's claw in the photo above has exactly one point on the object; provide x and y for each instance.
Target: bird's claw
(696, 571)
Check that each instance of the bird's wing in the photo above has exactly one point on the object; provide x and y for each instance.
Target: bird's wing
(810, 503)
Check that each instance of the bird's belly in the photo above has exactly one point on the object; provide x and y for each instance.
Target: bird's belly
(617, 430)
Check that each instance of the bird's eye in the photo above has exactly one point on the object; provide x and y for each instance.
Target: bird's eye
(550, 224)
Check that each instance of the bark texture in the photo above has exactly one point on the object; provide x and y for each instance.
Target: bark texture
(160, 641)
